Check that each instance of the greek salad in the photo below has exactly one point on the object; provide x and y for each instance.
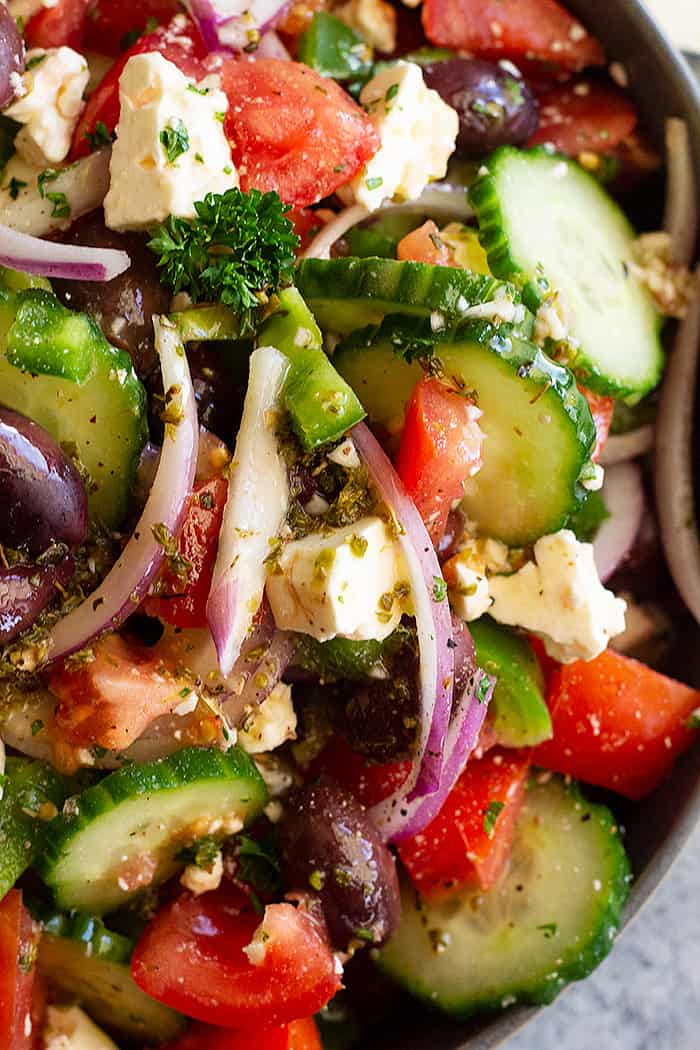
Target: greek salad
(330, 583)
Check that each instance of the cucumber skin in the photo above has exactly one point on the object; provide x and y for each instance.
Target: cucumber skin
(483, 197)
(187, 766)
(578, 964)
(29, 783)
(86, 930)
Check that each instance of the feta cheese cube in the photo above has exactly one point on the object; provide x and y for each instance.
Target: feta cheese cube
(467, 575)
(50, 104)
(271, 724)
(202, 880)
(170, 149)
(560, 598)
(69, 1028)
(343, 582)
(418, 132)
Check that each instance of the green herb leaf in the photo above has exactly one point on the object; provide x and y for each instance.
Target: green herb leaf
(439, 589)
(549, 929)
(374, 183)
(14, 186)
(175, 140)
(99, 137)
(238, 250)
(61, 207)
(491, 814)
(258, 863)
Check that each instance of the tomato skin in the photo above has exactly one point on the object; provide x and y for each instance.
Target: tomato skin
(292, 130)
(617, 723)
(369, 782)
(440, 448)
(111, 21)
(19, 936)
(424, 245)
(185, 605)
(299, 1035)
(602, 409)
(455, 850)
(59, 26)
(191, 958)
(584, 117)
(540, 30)
(179, 42)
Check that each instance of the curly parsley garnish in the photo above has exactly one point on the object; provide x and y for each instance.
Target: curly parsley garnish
(238, 250)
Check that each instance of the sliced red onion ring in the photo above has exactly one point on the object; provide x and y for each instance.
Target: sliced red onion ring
(234, 24)
(621, 447)
(258, 497)
(129, 579)
(271, 46)
(320, 247)
(623, 493)
(208, 20)
(71, 262)
(435, 642)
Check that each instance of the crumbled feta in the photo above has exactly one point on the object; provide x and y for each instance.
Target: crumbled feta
(560, 598)
(271, 724)
(50, 104)
(374, 20)
(201, 880)
(467, 575)
(170, 149)
(417, 132)
(68, 1028)
(258, 946)
(342, 582)
(593, 480)
(501, 309)
(345, 455)
(672, 286)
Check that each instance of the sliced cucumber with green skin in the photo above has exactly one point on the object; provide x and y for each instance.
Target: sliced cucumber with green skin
(57, 368)
(87, 930)
(517, 711)
(137, 820)
(538, 428)
(206, 323)
(551, 919)
(347, 294)
(16, 281)
(28, 786)
(320, 403)
(107, 991)
(550, 226)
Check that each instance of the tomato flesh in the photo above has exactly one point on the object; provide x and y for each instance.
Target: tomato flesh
(19, 936)
(183, 604)
(616, 723)
(441, 446)
(191, 958)
(60, 26)
(113, 22)
(424, 245)
(584, 117)
(540, 30)
(292, 130)
(299, 1035)
(370, 782)
(468, 842)
(602, 409)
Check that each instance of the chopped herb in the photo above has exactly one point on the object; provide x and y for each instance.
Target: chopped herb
(178, 565)
(199, 158)
(202, 853)
(365, 935)
(549, 929)
(47, 175)
(206, 500)
(185, 692)
(358, 545)
(37, 726)
(238, 250)
(339, 168)
(374, 183)
(61, 207)
(175, 140)
(99, 137)
(439, 589)
(694, 721)
(258, 863)
(221, 116)
(391, 92)
(197, 90)
(491, 816)
(316, 880)
(35, 61)
(128, 40)
(482, 688)
(14, 186)
(98, 751)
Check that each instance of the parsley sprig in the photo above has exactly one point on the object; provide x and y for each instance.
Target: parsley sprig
(238, 250)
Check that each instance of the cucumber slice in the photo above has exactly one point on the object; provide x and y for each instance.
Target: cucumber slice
(346, 294)
(145, 815)
(27, 787)
(539, 430)
(517, 710)
(57, 368)
(87, 930)
(206, 323)
(551, 920)
(16, 281)
(549, 225)
(106, 989)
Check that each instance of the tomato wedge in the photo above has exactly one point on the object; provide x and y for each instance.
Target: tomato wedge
(292, 130)
(191, 957)
(183, 603)
(113, 24)
(440, 448)
(616, 723)
(602, 409)
(540, 30)
(370, 782)
(62, 25)
(584, 117)
(469, 841)
(424, 245)
(179, 42)
(299, 1035)
(19, 937)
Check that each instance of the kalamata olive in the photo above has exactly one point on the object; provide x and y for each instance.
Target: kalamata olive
(25, 591)
(41, 493)
(495, 106)
(11, 57)
(331, 847)
(124, 306)
(380, 719)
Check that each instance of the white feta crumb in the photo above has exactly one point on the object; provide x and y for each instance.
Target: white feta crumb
(50, 104)
(417, 130)
(345, 455)
(317, 505)
(374, 20)
(258, 946)
(170, 149)
(560, 598)
(202, 880)
(594, 481)
(69, 1028)
(271, 724)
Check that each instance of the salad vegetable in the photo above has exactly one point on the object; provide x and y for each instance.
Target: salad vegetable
(328, 360)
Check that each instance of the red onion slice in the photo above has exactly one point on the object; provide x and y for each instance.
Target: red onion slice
(621, 447)
(623, 493)
(258, 497)
(130, 577)
(320, 247)
(228, 24)
(71, 262)
(271, 46)
(433, 623)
